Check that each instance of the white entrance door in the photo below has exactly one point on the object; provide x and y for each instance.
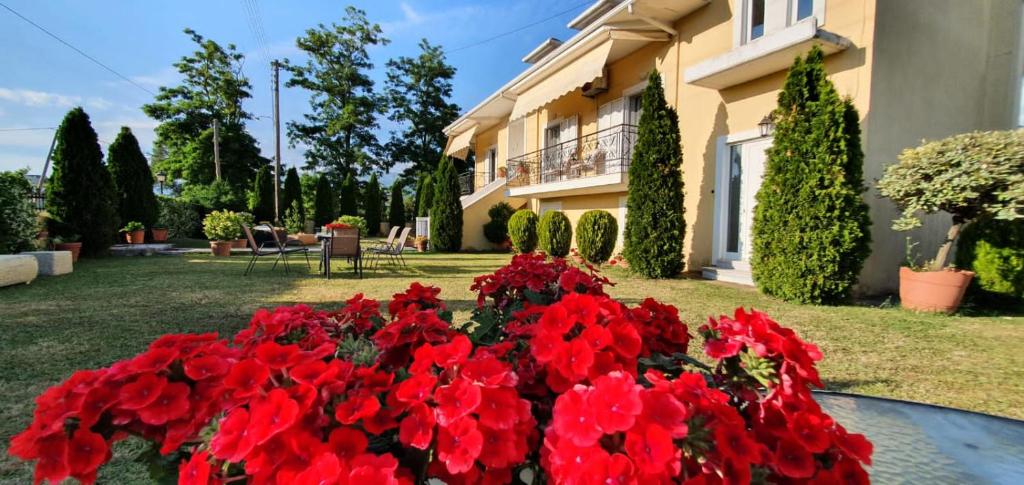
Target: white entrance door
(744, 169)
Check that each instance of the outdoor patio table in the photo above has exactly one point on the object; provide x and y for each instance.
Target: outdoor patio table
(922, 443)
(326, 239)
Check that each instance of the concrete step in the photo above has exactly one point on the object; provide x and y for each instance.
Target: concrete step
(728, 275)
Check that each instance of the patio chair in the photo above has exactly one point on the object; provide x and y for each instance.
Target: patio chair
(345, 243)
(273, 247)
(390, 242)
(394, 253)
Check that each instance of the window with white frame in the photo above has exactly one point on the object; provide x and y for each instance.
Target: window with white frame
(757, 18)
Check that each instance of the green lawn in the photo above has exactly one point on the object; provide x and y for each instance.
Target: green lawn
(110, 309)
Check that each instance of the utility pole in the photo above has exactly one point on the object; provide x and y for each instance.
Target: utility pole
(49, 156)
(216, 148)
(277, 141)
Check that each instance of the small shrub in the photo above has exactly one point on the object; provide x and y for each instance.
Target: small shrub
(522, 230)
(496, 230)
(554, 233)
(17, 216)
(293, 220)
(596, 232)
(354, 221)
(182, 219)
(994, 250)
(222, 225)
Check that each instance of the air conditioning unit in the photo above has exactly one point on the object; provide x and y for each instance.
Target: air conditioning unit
(597, 86)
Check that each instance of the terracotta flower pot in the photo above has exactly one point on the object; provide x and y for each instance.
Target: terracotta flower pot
(74, 247)
(220, 248)
(305, 239)
(159, 234)
(239, 243)
(136, 237)
(933, 291)
(421, 246)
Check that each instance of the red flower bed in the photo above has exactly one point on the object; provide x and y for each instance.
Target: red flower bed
(551, 378)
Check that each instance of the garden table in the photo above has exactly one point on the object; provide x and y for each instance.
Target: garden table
(922, 443)
(326, 239)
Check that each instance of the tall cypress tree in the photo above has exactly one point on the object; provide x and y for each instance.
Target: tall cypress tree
(80, 194)
(446, 209)
(348, 204)
(262, 204)
(427, 198)
(324, 211)
(133, 180)
(416, 196)
(373, 206)
(811, 225)
(396, 211)
(292, 192)
(654, 219)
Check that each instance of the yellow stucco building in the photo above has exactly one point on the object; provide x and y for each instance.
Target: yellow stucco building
(559, 135)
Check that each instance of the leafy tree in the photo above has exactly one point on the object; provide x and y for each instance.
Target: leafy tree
(396, 211)
(811, 225)
(291, 196)
(446, 209)
(349, 189)
(654, 222)
(427, 199)
(372, 206)
(340, 130)
(262, 203)
(324, 210)
(417, 91)
(496, 229)
(308, 181)
(17, 215)
(80, 194)
(213, 87)
(133, 181)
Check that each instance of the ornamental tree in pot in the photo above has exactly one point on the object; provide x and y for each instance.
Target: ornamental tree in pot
(135, 232)
(968, 176)
(221, 228)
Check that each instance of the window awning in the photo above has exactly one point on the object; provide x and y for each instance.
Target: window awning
(584, 69)
(458, 146)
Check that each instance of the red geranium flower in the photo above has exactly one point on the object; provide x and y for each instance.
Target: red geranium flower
(616, 401)
(650, 447)
(196, 471)
(206, 367)
(792, 460)
(142, 392)
(274, 355)
(459, 444)
(809, 430)
(246, 377)
(417, 429)
(86, 451)
(271, 415)
(456, 400)
(574, 418)
(170, 405)
(232, 440)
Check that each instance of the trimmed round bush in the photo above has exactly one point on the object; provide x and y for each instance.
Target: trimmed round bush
(595, 235)
(496, 230)
(522, 230)
(994, 250)
(555, 233)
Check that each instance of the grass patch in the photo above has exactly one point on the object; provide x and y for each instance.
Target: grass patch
(110, 309)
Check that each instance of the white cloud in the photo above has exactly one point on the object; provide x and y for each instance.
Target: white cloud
(164, 77)
(29, 97)
(411, 14)
(413, 18)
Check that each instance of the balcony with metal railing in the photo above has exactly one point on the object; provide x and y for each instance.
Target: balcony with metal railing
(597, 162)
(473, 181)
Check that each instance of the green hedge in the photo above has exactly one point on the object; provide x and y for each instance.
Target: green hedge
(522, 230)
(181, 218)
(496, 230)
(994, 250)
(554, 234)
(17, 215)
(595, 235)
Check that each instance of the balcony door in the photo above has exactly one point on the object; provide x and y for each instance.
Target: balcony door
(741, 168)
(559, 147)
(610, 119)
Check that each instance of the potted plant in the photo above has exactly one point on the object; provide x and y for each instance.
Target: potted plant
(968, 176)
(159, 232)
(221, 228)
(135, 232)
(239, 241)
(68, 243)
(421, 243)
(502, 172)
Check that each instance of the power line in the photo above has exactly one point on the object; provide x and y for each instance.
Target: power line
(519, 29)
(29, 129)
(83, 54)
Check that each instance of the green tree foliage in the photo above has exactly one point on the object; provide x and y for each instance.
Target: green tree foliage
(554, 234)
(214, 196)
(213, 87)
(446, 209)
(340, 129)
(308, 182)
(417, 91)
(348, 204)
(427, 199)
(372, 206)
(496, 229)
(80, 194)
(291, 196)
(17, 215)
(324, 210)
(262, 203)
(182, 218)
(396, 210)
(133, 181)
(418, 191)
(654, 223)
(596, 232)
(994, 250)
(522, 230)
(969, 176)
(811, 226)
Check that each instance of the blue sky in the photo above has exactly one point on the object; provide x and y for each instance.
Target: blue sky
(41, 78)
